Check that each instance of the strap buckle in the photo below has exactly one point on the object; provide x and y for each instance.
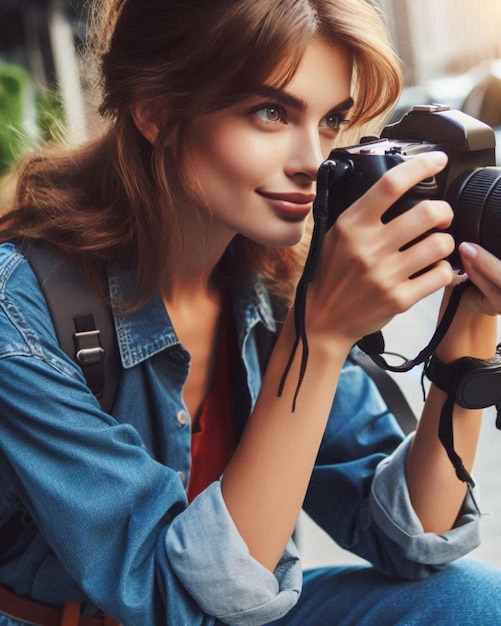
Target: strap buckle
(88, 347)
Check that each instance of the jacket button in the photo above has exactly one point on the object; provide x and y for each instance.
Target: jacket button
(182, 477)
(182, 418)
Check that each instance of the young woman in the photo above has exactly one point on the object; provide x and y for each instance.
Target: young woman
(178, 507)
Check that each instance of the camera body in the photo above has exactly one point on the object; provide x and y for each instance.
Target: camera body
(470, 182)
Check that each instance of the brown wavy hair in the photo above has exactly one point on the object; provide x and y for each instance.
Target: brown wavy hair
(114, 198)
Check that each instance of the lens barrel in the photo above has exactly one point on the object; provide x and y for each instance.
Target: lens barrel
(477, 209)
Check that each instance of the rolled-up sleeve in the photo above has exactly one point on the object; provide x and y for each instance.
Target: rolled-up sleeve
(213, 563)
(392, 512)
(358, 491)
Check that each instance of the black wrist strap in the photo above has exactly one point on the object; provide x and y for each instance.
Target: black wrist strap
(441, 375)
(445, 377)
(471, 383)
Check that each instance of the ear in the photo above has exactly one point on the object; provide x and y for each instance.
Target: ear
(148, 117)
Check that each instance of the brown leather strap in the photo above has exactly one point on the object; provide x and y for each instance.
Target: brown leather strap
(37, 614)
(70, 614)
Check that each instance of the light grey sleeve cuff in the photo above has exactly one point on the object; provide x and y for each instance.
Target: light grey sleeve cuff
(392, 512)
(213, 563)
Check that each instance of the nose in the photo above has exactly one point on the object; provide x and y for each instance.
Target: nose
(306, 156)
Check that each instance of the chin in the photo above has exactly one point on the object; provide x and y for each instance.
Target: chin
(284, 239)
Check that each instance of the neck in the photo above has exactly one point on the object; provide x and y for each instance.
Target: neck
(189, 270)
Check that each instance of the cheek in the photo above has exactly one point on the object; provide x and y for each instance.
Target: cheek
(327, 145)
(238, 155)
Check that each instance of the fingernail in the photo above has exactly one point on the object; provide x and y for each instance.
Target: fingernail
(468, 250)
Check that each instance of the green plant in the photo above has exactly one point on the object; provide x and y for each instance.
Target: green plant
(28, 116)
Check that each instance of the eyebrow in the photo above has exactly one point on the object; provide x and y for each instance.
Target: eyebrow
(287, 99)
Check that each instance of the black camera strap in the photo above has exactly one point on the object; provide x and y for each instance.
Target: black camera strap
(320, 227)
(373, 345)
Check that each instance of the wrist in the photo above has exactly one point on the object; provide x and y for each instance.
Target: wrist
(470, 335)
(325, 345)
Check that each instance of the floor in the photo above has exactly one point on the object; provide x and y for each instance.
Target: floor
(408, 334)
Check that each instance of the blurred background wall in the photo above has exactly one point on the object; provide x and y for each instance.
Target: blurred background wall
(447, 49)
(439, 38)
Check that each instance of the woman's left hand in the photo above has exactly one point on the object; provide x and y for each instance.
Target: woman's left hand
(484, 270)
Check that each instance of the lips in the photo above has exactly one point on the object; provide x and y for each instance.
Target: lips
(294, 206)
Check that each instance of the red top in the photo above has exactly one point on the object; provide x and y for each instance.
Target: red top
(214, 443)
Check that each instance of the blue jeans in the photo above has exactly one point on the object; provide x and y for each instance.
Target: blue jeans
(465, 593)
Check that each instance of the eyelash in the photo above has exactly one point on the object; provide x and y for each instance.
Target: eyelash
(340, 116)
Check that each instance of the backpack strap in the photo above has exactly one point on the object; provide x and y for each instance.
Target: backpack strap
(389, 389)
(85, 331)
(82, 320)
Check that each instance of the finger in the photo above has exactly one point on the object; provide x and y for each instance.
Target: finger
(399, 179)
(426, 283)
(484, 270)
(422, 218)
(426, 252)
(483, 263)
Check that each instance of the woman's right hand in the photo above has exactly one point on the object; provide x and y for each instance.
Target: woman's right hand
(370, 270)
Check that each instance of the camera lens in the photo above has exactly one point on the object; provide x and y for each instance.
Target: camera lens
(477, 209)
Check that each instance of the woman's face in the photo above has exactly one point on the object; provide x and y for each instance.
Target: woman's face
(256, 162)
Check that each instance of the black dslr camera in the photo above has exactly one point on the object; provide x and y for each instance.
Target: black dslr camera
(470, 182)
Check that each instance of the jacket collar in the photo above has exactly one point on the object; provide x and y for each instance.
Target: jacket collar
(147, 331)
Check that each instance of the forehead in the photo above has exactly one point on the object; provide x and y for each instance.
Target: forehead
(324, 73)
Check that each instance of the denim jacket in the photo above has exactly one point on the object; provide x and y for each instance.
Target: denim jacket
(108, 523)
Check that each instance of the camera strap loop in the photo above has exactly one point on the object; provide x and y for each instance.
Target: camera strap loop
(374, 346)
